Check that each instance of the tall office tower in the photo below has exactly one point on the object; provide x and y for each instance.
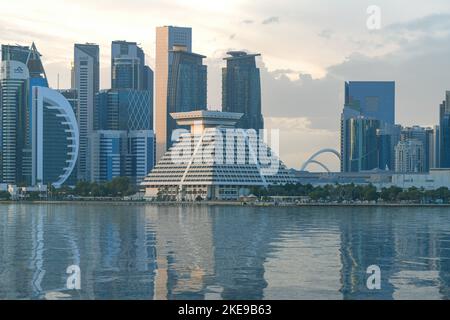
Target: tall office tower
(369, 100)
(123, 110)
(141, 155)
(107, 149)
(39, 129)
(409, 156)
(148, 80)
(55, 137)
(436, 140)
(241, 89)
(388, 136)
(128, 69)
(37, 77)
(14, 82)
(187, 86)
(72, 97)
(118, 153)
(425, 136)
(87, 84)
(362, 144)
(166, 38)
(444, 132)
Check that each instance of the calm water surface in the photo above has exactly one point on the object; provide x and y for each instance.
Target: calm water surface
(151, 252)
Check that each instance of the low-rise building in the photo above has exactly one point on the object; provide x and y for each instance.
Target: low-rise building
(214, 161)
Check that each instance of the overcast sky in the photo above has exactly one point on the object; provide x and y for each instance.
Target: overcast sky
(309, 48)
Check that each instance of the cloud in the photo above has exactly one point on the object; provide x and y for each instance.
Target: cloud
(271, 20)
(248, 21)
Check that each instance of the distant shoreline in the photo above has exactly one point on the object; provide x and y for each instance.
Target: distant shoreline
(222, 203)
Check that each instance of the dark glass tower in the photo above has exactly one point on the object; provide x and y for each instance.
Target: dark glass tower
(241, 89)
(187, 85)
(444, 132)
(368, 101)
(128, 69)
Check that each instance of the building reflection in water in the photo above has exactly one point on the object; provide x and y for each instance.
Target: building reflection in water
(200, 252)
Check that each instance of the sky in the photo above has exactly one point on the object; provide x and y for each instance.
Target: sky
(308, 47)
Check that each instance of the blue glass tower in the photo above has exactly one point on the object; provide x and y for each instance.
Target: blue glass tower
(368, 101)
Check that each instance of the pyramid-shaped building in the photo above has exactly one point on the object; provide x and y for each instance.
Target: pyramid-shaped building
(214, 161)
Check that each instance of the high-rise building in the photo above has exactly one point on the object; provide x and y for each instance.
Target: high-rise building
(436, 142)
(409, 156)
(38, 127)
(72, 97)
(241, 89)
(425, 136)
(15, 115)
(118, 153)
(370, 100)
(55, 137)
(187, 85)
(166, 38)
(444, 132)
(87, 83)
(123, 110)
(107, 149)
(388, 136)
(128, 69)
(140, 155)
(362, 144)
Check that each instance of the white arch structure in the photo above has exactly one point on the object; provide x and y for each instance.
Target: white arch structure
(53, 100)
(318, 153)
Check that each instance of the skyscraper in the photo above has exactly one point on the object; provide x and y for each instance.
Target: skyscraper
(166, 38)
(87, 84)
(444, 132)
(187, 85)
(107, 149)
(128, 69)
(123, 110)
(38, 126)
(425, 136)
(409, 156)
(14, 81)
(241, 89)
(118, 153)
(362, 144)
(370, 100)
(55, 137)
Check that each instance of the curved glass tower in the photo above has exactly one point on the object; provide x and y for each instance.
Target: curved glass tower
(55, 142)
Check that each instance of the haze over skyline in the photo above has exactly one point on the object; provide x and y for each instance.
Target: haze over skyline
(309, 48)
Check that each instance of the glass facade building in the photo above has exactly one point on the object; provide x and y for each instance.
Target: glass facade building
(369, 100)
(241, 89)
(187, 85)
(15, 115)
(86, 80)
(118, 153)
(166, 38)
(444, 132)
(362, 144)
(128, 69)
(39, 132)
(123, 110)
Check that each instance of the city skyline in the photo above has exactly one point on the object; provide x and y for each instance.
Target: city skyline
(412, 39)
